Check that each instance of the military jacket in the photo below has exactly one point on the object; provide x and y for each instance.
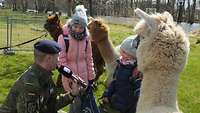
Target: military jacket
(34, 92)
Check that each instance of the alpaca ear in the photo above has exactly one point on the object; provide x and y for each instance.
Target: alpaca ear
(91, 18)
(169, 17)
(151, 22)
(56, 17)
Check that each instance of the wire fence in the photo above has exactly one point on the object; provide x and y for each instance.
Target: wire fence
(14, 31)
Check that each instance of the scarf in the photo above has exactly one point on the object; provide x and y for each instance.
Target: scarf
(78, 36)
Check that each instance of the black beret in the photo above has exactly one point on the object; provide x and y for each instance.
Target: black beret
(47, 46)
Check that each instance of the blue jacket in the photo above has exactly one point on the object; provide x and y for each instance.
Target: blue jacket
(124, 91)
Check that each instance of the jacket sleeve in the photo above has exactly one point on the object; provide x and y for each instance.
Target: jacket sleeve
(110, 90)
(90, 64)
(28, 99)
(62, 58)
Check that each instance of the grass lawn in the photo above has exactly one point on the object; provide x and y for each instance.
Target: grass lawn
(11, 67)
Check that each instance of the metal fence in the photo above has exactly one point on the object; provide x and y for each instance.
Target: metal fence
(14, 31)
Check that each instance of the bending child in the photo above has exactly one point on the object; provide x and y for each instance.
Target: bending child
(123, 93)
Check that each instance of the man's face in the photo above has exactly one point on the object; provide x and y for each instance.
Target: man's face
(52, 61)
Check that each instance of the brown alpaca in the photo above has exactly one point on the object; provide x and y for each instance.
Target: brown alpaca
(99, 33)
(54, 26)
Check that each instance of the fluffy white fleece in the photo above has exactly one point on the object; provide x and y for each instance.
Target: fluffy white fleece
(161, 55)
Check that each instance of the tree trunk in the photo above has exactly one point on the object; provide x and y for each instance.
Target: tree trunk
(158, 6)
(41, 5)
(131, 4)
(51, 5)
(181, 5)
(14, 4)
(188, 11)
(69, 8)
(24, 5)
(173, 7)
(90, 7)
(36, 5)
(191, 21)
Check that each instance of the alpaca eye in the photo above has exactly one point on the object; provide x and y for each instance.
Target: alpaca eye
(170, 26)
(162, 28)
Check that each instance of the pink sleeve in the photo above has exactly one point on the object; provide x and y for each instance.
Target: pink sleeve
(62, 58)
(90, 64)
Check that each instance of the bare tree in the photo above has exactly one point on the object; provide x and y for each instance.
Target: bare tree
(90, 8)
(24, 5)
(50, 5)
(14, 5)
(69, 8)
(36, 5)
(180, 5)
(188, 11)
(131, 3)
(41, 5)
(172, 6)
(191, 21)
(158, 6)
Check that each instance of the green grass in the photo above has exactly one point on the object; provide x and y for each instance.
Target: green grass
(189, 92)
(11, 67)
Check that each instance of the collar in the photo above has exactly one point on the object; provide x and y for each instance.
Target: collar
(126, 61)
(78, 36)
(43, 74)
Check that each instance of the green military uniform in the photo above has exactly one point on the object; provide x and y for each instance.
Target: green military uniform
(34, 92)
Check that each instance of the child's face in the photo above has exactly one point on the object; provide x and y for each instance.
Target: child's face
(126, 56)
(77, 28)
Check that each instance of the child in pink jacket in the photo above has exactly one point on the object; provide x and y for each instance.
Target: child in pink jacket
(78, 56)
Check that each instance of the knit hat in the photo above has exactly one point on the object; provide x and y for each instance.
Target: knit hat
(129, 45)
(80, 16)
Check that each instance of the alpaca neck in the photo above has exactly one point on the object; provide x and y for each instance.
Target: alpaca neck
(55, 35)
(107, 51)
(158, 89)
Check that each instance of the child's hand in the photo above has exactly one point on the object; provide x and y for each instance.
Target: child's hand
(105, 100)
(136, 72)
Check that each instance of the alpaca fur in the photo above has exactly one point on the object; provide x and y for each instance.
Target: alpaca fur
(161, 55)
(54, 26)
(99, 32)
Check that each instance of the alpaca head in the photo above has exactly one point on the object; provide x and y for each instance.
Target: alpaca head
(98, 29)
(53, 26)
(151, 24)
(163, 45)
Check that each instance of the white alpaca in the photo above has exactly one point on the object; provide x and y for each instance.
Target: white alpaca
(161, 55)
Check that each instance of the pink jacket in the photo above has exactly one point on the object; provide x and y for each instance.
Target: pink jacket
(78, 58)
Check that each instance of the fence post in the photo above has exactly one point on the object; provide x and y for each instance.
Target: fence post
(7, 31)
(11, 33)
(9, 51)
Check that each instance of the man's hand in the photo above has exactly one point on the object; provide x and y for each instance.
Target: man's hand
(75, 89)
(105, 100)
